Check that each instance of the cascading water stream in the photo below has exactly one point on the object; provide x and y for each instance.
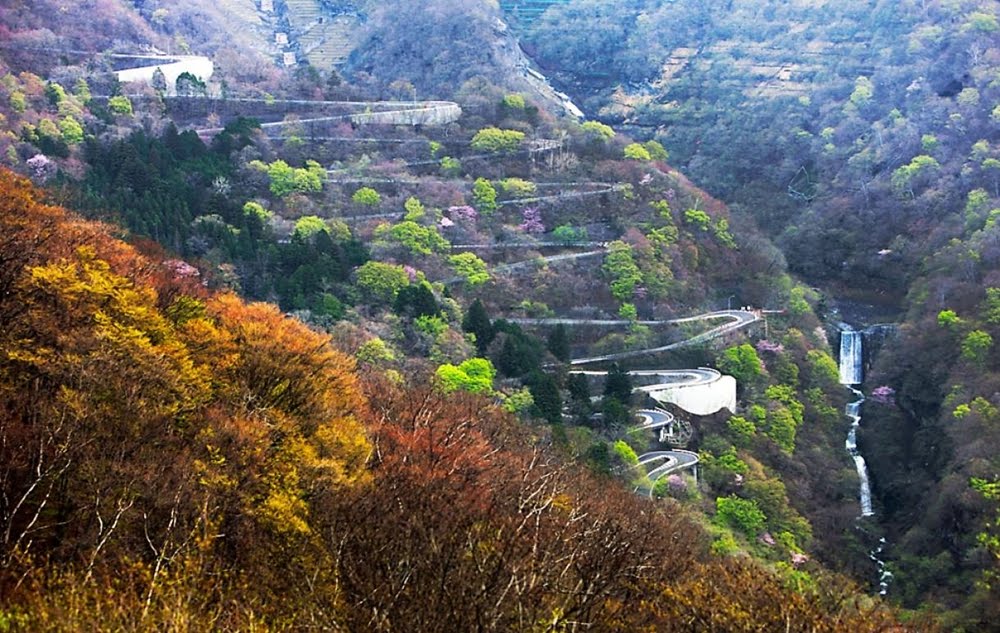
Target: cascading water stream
(854, 412)
(852, 373)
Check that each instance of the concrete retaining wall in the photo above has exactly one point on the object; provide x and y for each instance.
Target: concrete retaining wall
(172, 67)
(701, 399)
(438, 114)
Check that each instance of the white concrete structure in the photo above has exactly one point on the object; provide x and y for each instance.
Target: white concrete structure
(173, 66)
(701, 391)
(701, 398)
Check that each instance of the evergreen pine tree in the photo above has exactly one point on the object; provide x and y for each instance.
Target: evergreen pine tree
(416, 300)
(159, 81)
(579, 389)
(614, 413)
(618, 385)
(558, 343)
(579, 395)
(548, 400)
(477, 321)
(509, 360)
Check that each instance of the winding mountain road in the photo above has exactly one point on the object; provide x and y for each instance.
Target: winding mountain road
(673, 462)
(736, 319)
(669, 377)
(654, 419)
(410, 113)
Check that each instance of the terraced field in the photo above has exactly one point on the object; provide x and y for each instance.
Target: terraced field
(527, 11)
(324, 41)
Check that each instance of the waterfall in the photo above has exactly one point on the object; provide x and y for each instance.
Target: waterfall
(853, 411)
(884, 575)
(851, 374)
(850, 357)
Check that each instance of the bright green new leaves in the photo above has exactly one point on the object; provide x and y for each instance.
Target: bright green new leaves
(120, 105)
(72, 132)
(470, 268)
(414, 209)
(699, 219)
(514, 101)
(742, 429)
(667, 235)
(309, 225)
(823, 370)
(598, 130)
(741, 362)
(721, 232)
(416, 238)
(625, 453)
(786, 415)
(286, 180)
(990, 308)
(976, 346)
(484, 196)
(519, 401)
(904, 177)
(18, 102)
(741, 514)
(381, 282)
(366, 196)
(864, 89)
(495, 140)
(635, 151)
(474, 375)
(629, 312)
(518, 187)
(948, 319)
(257, 210)
(782, 429)
(644, 152)
(620, 266)
(656, 150)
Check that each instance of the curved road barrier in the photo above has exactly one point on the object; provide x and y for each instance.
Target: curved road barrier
(673, 462)
(737, 319)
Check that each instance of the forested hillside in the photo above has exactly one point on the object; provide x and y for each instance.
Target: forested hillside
(383, 346)
(863, 137)
(850, 130)
(177, 459)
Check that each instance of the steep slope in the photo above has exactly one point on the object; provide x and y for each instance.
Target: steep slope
(863, 136)
(808, 116)
(436, 48)
(177, 460)
(530, 214)
(408, 226)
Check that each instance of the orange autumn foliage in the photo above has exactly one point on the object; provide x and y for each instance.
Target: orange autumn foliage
(136, 408)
